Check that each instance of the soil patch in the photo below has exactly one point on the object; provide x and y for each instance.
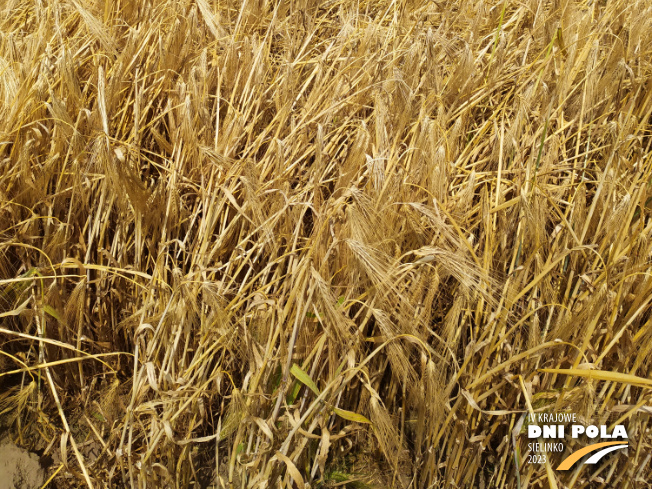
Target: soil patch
(19, 469)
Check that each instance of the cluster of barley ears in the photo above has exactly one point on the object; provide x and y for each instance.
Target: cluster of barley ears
(303, 243)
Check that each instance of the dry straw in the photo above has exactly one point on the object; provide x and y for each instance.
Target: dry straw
(323, 243)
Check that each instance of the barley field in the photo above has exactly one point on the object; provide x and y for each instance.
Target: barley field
(324, 243)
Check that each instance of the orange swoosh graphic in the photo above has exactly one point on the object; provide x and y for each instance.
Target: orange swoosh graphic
(568, 462)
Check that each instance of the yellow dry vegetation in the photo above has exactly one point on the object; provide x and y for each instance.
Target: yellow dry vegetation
(321, 243)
